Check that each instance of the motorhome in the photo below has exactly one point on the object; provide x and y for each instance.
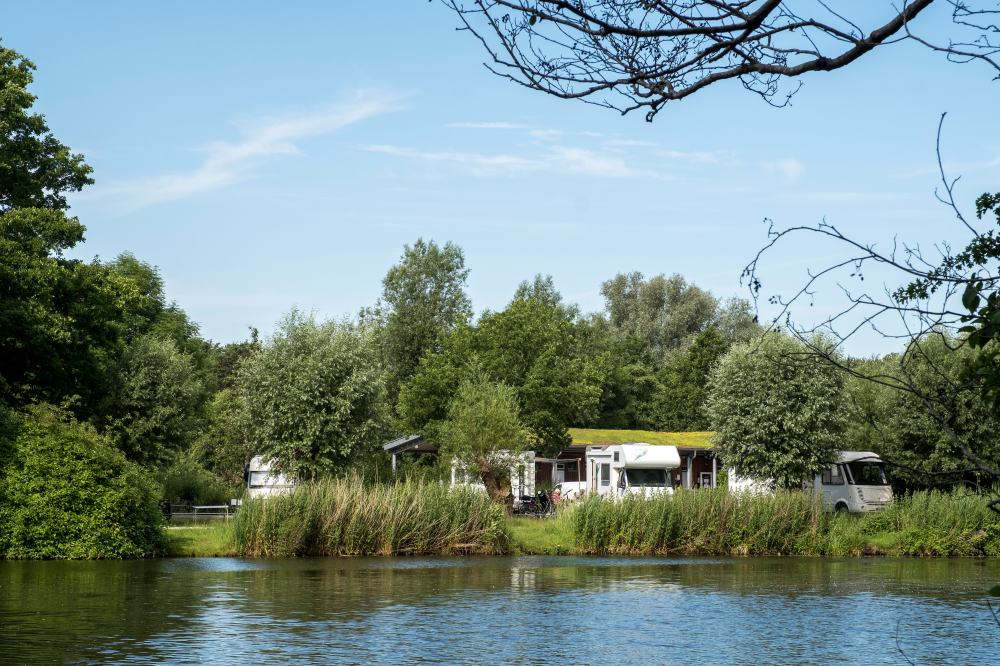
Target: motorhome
(856, 482)
(618, 470)
(264, 481)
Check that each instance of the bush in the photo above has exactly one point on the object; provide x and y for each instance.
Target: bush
(187, 482)
(349, 517)
(68, 493)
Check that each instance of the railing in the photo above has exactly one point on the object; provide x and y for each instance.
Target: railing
(196, 513)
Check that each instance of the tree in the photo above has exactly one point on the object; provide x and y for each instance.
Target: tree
(528, 346)
(315, 396)
(638, 54)
(423, 297)
(679, 402)
(36, 169)
(154, 404)
(68, 493)
(662, 313)
(63, 322)
(777, 411)
(483, 431)
(225, 444)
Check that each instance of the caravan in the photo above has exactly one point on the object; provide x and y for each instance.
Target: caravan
(856, 482)
(631, 469)
(262, 480)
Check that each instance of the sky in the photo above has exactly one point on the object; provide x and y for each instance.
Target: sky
(265, 159)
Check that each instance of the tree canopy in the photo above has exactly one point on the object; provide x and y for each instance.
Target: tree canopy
(778, 412)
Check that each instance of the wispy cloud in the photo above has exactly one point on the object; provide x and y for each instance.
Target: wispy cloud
(228, 162)
(789, 167)
(487, 125)
(557, 159)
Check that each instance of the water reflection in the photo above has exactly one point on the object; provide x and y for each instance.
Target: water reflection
(498, 610)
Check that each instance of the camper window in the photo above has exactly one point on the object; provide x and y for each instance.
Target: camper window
(647, 478)
(868, 473)
(833, 476)
(605, 475)
(258, 479)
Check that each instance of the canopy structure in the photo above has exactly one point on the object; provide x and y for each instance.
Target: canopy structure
(406, 444)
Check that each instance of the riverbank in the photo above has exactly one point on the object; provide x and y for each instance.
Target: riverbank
(706, 522)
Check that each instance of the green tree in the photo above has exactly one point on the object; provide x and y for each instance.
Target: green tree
(36, 169)
(683, 387)
(155, 399)
(663, 313)
(68, 493)
(423, 298)
(315, 396)
(63, 322)
(483, 431)
(529, 346)
(224, 445)
(778, 411)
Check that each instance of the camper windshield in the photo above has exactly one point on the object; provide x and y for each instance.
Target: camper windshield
(649, 478)
(868, 473)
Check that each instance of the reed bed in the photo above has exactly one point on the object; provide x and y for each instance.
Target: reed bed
(717, 522)
(350, 517)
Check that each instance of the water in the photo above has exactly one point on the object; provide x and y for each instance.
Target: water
(532, 610)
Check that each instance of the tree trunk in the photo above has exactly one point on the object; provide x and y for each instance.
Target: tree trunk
(498, 488)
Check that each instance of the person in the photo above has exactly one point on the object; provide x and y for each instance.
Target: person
(555, 496)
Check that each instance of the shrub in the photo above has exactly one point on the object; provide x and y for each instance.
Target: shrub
(187, 482)
(68, 493)
(349, 517)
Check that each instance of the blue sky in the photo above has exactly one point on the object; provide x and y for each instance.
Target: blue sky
(266, 159)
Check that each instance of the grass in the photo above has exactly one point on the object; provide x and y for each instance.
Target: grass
(543, 536)
(349, 517)
(716, 522)
(212, 540)
(701, 440)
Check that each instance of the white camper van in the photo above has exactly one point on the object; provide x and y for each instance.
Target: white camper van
(638, 469)
(856, 483)
(263, 481)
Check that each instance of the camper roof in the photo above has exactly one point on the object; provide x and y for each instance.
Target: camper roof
(851, 456)
(647, 455)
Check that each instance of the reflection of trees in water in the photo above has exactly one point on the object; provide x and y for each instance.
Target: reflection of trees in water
(57, 609)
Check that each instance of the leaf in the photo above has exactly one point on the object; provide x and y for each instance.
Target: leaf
(970, 299)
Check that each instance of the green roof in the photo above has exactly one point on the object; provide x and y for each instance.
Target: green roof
(691, 440)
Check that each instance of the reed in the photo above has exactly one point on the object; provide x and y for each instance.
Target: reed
(717, 522)
(349, 517)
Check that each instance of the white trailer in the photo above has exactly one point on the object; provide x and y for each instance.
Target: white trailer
(631, 469)
(856, 482)
(263, 481)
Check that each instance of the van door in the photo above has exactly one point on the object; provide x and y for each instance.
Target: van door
(834, 485)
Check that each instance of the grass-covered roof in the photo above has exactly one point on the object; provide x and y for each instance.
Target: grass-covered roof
(700, 440)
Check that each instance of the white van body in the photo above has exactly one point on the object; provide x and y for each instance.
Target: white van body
(856, 482)
(643, 469)
(263, 481)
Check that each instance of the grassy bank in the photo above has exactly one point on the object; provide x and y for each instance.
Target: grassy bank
(716, 522)
(212, 540)
(347, 517)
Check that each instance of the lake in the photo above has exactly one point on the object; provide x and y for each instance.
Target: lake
(532, 610)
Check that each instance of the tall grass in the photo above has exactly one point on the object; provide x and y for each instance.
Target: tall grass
(350, 517)
(717, 522)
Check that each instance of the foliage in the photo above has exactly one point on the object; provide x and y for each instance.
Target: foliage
(224, 443)
(778, 412)
(922, 430)
(62, 321)
(154, 401)
(424, 298)
(528, 346)
(187, 482)
(67, 493)
(483, 431)
(347, 517)
(36, 169)
(683, 386)
(315, 396)
(716, 522)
